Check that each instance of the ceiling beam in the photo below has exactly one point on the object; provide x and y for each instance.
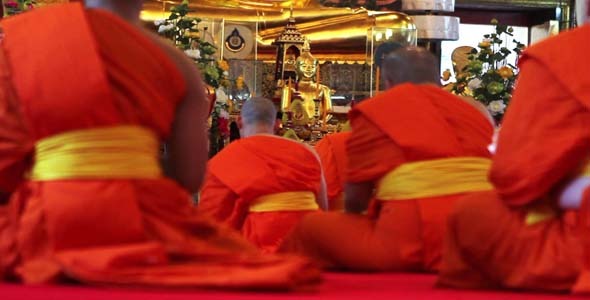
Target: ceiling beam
(511, 4)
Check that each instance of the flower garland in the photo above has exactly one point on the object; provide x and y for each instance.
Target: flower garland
(489, 77)
(13, 7)
(184, 32)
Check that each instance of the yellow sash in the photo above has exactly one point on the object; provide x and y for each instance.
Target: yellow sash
(108, 152)
(433, 178)
(289, 201)
(544, 211)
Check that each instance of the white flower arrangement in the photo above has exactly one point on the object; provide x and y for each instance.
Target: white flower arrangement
(220, 95)
(489, 77)
(165, 28)
(474, 83)
(497, 107)
(193, 53)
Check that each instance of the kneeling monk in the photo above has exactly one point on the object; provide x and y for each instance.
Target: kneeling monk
(81, 121)
(523, 234)
(263, 184)
(414, 149)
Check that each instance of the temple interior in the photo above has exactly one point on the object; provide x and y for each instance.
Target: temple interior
(103, 211)
(344, 41)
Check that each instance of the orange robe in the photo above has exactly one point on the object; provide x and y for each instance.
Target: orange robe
(544, 141)
(332, 152)
(408, 123)
(82, 69)
(254, 167)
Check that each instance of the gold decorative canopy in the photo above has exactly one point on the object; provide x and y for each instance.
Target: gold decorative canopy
(324, 26)
(290, 33)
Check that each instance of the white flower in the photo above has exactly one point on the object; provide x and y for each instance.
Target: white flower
(159, 22)
(224, 114)
(497, 107)
(474, 83)
(193, 53)
(164, 28)
(225, 73)
(220, 95)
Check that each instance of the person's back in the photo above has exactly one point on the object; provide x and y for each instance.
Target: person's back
(262, 184)
(94, 205)
(536, 221)
(414, 149)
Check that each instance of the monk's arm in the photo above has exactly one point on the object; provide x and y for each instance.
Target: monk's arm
(370, 155)
(188, 141)
(323, 196)
(217, 201)
(357, 196)
(16, 145)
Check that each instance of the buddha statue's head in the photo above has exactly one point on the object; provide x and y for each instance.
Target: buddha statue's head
(306, 64)
(460, 58)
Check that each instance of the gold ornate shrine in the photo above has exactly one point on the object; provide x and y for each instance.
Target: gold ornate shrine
(289, 45)
(324, 26)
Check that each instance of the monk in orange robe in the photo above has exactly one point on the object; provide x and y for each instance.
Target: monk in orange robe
(529, 232)
(332, 152)
(414, 149)
(263, 184)
(86, 97)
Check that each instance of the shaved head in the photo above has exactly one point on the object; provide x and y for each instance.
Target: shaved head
(385, 49)
(259, 111)
(410, 65)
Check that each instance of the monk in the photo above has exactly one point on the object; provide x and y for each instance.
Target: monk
(531, 230)
(332, 148)
(414, 149)
(332, 152)
(81, 120)
(263, 184)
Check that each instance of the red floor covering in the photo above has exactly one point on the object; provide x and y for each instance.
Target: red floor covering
(335, 286)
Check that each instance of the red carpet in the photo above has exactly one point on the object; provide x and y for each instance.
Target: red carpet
(335, 286)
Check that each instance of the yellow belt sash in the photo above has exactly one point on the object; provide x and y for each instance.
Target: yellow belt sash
(289, 201)
(438, 177)
(100, 153)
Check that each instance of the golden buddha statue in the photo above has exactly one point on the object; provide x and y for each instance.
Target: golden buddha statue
(315, 97)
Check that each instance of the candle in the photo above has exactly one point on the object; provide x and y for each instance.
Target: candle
(317, 78)
(377, 79)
